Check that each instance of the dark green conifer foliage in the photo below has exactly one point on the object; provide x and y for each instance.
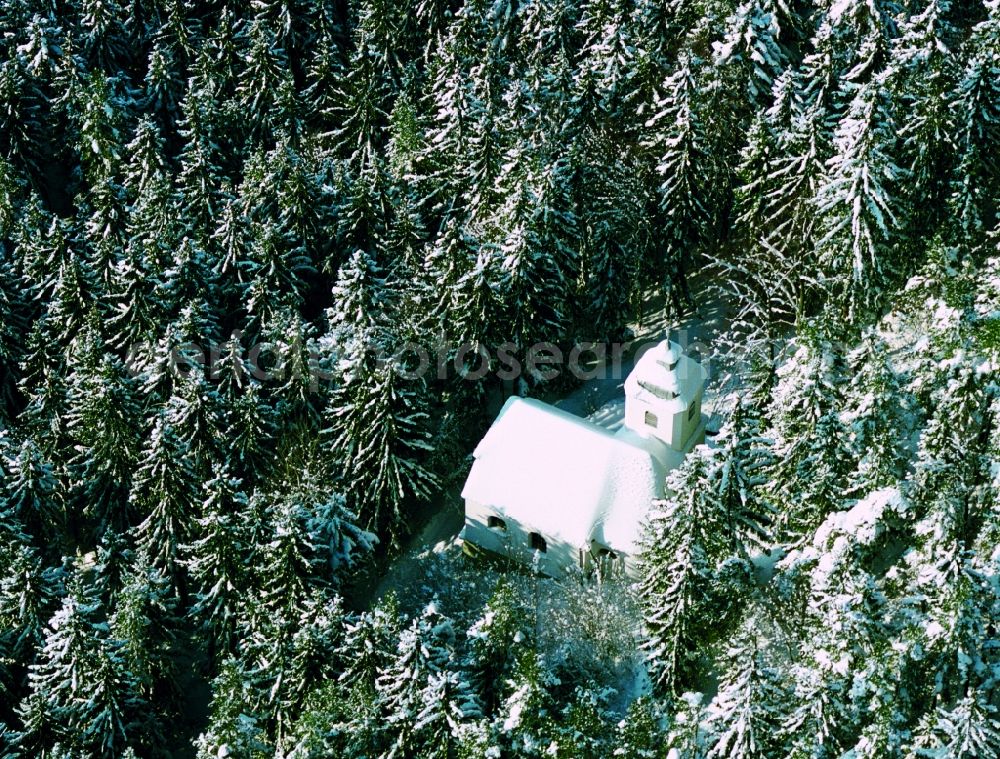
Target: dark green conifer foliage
(223, 227)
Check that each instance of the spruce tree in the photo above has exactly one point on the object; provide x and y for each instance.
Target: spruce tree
(28, 592)
(743, 714)
(814, 726)
(675, 569)
(33, 496)
(163, 496)
(524, 720)
(362, 101)
(970, 729)
(446, 704)
(677, 143)
(410, 691)
(877, 417)
(146, 622)
(250, 430)
(641, 733)
(66, 668)
(263, 70)
(104, 415)
(217, 559)
(200, 172)
(740, 472)
(378, 432)
(494, 642)
(975, 104)
(813, 478)
(752, 40)
(922, 71)
(861, 206)
(369, 644)
(537, 224)
(233, 726)
(289, 563)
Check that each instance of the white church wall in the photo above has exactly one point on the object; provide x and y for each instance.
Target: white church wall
(636, 418)
(686, 423)
(513, 541)
(478, 531)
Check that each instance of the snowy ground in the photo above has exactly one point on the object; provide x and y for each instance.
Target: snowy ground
(437, 535)
(602, 400)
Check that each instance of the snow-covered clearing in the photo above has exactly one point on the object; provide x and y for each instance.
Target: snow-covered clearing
(433, 561)
(602, 401)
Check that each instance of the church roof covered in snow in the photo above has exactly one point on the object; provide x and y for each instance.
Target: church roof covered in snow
(665, 373)
(621, 527)
(564, 477)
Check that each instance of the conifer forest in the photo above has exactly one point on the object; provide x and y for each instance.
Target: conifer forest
(226, 226)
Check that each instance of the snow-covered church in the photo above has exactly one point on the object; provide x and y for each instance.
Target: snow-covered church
(550, 484)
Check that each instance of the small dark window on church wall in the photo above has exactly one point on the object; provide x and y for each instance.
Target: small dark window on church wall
(496, 523)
